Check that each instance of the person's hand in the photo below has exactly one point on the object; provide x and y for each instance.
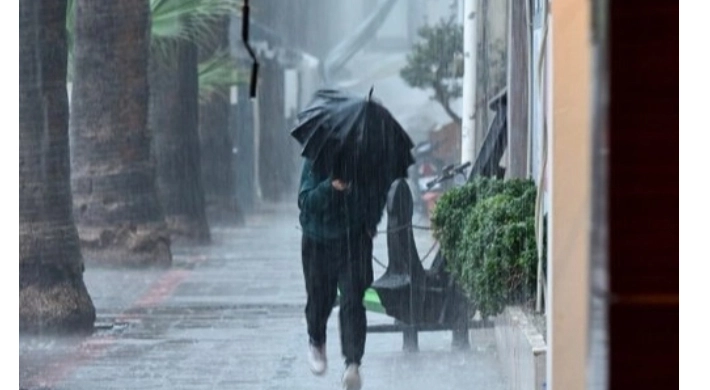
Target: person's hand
(339, 185)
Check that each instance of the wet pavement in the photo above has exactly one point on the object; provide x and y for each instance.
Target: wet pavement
(230, 316)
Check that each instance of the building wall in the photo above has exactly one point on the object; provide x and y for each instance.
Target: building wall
(491, 58)
(518, 85)
(571, 177)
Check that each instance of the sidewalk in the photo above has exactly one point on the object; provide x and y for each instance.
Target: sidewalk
(230, 316)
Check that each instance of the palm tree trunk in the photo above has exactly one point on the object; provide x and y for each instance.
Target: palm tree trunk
(173, 120)
(53, 297)
(116, 206)
(219, 169)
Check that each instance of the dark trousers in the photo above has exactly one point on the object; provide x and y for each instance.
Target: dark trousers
(345, 264)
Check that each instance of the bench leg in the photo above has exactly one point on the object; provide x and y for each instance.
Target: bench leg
(460, 339)
(410, 339)
(460, 333)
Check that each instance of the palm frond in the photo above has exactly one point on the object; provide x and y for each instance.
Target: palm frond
(216, 74)
(187, 19)
(70, 40)
(193, 20)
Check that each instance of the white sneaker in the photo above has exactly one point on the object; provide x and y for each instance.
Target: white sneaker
(317, 359)
(351, 378)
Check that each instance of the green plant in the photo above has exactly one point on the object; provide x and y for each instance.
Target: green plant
(487, 233)
(168, 17)
(215, 73)
(435, 63)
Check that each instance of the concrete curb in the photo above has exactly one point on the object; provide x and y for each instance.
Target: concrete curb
(521, 349)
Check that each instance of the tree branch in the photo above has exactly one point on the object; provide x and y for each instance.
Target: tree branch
(442, 97)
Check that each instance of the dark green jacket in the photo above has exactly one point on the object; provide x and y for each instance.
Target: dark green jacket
(327, 214)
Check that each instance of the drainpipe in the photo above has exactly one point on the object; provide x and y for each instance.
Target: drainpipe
(468, 123)
(531, 88)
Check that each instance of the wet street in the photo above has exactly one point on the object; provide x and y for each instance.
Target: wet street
(230, 316)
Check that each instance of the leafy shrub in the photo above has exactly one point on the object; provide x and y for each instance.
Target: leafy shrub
(487, 233)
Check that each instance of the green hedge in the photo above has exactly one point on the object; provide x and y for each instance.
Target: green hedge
(487, 233)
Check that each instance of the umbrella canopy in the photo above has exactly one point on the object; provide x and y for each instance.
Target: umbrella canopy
(351, 137)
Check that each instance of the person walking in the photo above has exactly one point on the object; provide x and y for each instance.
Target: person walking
(339, 214)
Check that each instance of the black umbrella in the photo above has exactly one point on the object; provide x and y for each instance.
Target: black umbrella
(351, 137)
